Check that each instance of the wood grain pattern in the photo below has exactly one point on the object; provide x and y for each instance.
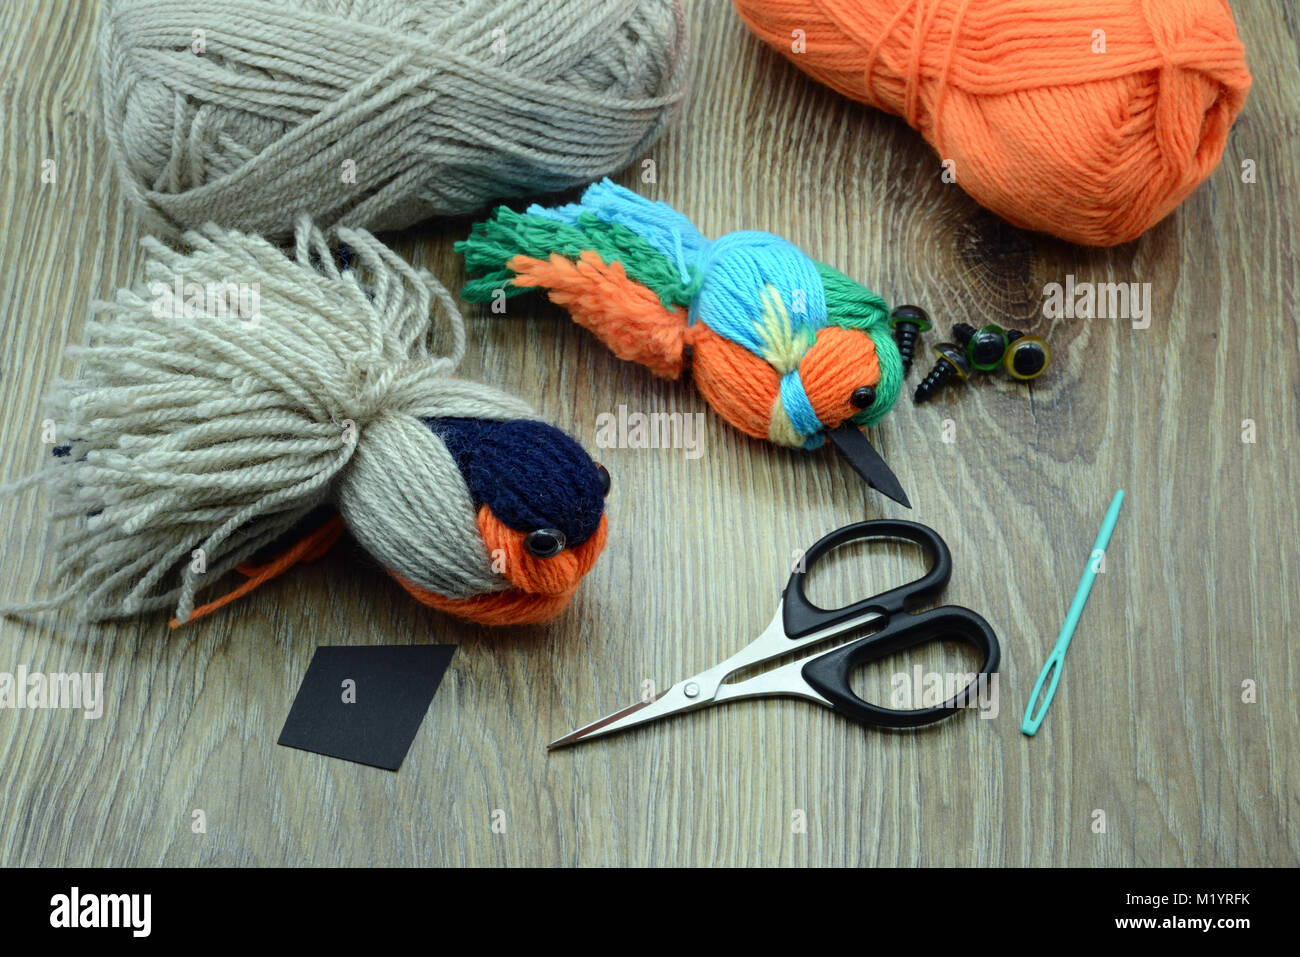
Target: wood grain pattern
(1201, 590)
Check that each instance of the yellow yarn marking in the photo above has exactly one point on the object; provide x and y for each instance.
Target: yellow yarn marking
(780, 429)
(783, 345)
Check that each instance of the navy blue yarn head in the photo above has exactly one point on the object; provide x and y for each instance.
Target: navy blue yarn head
(530, 474)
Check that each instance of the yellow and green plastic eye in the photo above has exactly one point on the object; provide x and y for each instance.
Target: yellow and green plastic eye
(1026, 357)
(984, 347)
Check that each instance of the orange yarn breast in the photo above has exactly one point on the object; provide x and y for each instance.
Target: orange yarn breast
(737, 383)
(540, 588)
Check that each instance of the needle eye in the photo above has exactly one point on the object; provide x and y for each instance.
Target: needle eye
(544, 542)
(863, 396)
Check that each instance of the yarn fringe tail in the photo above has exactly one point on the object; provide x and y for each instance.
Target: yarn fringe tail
(310, 547)
(31, 609)
(624, 315)
(495, 243)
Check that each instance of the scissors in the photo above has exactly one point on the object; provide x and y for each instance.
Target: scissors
(824, 677)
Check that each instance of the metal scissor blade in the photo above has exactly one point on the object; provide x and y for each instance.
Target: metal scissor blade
(866, 461)
(661, 705)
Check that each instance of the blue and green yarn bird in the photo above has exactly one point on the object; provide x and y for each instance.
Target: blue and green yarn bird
(783, 347)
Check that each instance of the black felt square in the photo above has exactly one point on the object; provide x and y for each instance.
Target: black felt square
(365, 703)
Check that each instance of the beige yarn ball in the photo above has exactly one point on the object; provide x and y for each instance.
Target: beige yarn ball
(377, 114)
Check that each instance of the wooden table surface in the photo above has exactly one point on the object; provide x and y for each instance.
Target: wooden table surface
(1149, 734)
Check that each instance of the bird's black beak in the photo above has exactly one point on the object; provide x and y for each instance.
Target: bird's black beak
(866, 461)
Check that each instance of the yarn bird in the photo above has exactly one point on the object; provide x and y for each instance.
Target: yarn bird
(199, 442)
(784, 348)
(539, 508)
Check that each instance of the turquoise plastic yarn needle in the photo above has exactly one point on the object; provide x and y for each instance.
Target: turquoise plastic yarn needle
(1056, 660)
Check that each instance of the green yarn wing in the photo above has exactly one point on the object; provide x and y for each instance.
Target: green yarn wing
(851, 304)
(493, 243)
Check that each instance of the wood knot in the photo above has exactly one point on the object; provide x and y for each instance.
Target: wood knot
(996, 264)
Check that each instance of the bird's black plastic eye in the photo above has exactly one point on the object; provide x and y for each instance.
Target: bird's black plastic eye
(545, 542)
(603, 474)
(863, 396)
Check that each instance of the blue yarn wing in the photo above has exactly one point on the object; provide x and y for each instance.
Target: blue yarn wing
(759, 290)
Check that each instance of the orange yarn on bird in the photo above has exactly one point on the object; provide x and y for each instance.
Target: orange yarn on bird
(1090, 120)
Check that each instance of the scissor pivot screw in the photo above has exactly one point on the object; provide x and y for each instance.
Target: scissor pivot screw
(692, 690)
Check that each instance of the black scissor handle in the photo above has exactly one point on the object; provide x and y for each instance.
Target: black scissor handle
(829, 674)
(801, 617)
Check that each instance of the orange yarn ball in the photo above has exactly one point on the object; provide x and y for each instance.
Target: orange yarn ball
(1090, 120)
